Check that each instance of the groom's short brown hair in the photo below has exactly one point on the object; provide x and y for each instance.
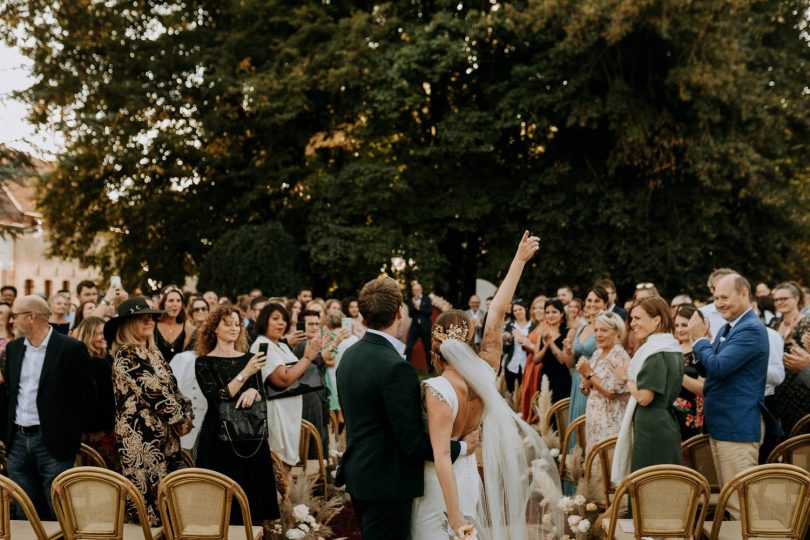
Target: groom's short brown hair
(379, 301)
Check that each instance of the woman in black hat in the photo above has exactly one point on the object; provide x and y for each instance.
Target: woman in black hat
(151, 413)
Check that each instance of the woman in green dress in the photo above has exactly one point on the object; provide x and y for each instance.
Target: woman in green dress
(654, 381)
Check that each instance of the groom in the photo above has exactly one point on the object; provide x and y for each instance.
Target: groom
(383, 466)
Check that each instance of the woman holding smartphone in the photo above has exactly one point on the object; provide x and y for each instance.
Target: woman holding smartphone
(226, 372)
(281, 370)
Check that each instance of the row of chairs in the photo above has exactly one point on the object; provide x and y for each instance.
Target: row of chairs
(672, 501)
(89, 502)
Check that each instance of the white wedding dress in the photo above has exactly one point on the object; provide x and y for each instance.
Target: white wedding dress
(429, 518)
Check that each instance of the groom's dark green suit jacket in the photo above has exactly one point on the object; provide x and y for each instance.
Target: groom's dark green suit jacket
(386, 441)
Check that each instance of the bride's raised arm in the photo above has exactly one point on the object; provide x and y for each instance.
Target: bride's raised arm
(492, 341)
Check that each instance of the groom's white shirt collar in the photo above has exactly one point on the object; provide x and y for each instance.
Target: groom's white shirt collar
(397, 344)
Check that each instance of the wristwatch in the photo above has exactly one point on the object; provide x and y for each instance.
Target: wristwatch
(239, 377)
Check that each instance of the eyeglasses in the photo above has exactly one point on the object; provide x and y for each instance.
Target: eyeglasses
(647, 285)
(199, 309)
(782, 299)
(13, 315)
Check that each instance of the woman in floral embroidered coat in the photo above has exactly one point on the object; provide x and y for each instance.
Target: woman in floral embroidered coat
(151, 414)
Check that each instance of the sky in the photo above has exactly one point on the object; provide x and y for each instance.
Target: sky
(15, 131)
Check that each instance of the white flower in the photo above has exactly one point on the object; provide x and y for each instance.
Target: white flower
(584, 526)
(591, 507)
(334, 473)
(565, 504)
(310, 519)
(295, 534)
(547, 519)
(300, 512)
(304, 527)
(574, 520)
(579, 500)
(554, 452)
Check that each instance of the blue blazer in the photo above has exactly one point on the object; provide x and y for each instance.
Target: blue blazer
(736, 369)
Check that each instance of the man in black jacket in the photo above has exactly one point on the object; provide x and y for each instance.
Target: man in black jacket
(420, 309)
(383, 466)
(50, 392)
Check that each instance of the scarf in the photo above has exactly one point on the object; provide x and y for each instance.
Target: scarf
(622, 456)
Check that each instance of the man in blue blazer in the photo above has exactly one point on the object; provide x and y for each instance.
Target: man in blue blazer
(736, 369)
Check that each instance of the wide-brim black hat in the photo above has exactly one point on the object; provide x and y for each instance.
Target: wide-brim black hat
(131, 307)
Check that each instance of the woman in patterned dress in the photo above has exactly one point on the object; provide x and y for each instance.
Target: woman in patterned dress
(151, 413)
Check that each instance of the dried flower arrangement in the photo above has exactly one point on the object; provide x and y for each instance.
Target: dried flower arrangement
(305, 516)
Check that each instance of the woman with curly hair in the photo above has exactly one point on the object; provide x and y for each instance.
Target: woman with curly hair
(227, 372)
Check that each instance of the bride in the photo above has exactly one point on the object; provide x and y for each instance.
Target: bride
(517, 463)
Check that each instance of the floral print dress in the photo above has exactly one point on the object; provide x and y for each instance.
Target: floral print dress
(689, 406)
(603, 415)
(147, 404)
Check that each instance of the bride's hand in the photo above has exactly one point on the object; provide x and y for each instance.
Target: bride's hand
(472, 440)
(461, 528)
(527, 248)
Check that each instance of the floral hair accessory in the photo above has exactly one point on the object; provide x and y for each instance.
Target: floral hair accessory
(454, 331)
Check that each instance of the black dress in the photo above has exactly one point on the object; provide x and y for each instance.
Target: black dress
(255, 473)
(559, 376)
(168, 350)
(99, 428)
(688, 406)
(62, 328)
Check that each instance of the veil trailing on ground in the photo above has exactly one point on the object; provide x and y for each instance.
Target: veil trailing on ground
(519, 471)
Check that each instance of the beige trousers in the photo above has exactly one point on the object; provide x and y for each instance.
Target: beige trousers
(731, 458)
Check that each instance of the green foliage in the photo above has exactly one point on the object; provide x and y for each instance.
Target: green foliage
(252, 256)
(645, 140)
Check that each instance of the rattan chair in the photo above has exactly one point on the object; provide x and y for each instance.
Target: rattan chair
(697, 452)
(89, 457)
(578, 427)
(802, 426)
(336, 439)
(667, 501)
(282, 483)
(3, 457)
(795, 451)
(604, 451)
(774, 503)
(25, 529)
(195, 504)
(311, 467)
(559, 413)
(89, 503)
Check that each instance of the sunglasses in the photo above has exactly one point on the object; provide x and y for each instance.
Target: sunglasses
(647, 285)
(199, 309)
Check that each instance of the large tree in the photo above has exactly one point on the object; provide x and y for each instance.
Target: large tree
(642, 140)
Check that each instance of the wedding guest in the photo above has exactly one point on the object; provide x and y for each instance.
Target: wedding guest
(603, 377)
(613, 306)
(787, 298)
(6, 333)
(59, 306)
(654, 380)
(531, 380)
(85, 311)
(212, 298)
(315, 405)
(8, 294)
(334, 334)
(792, 397)
(583, 345)
(736, 373)
(294, 307)
(151, 413)
(681, 300)
(565, 294)
(554, 361)
(474, 310)
(282, 369)
(99, 428)
(332, 305)
(254, 307)
(517, 346)
(797, 361)
(350, 307)
(172, 331)
(198, 311)
(645, 290)
(50, 392)
(573, 313)
(420, 310)
(86, 291)
(184, 369)
(710, 313)
(227, 373)
(304, 297)
(689, 404)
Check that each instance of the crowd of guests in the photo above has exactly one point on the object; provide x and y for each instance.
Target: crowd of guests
(140, 378)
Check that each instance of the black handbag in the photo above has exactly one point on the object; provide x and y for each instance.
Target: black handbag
(310, 381)
(243, 425)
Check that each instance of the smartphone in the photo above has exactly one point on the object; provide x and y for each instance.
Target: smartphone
(346, 323)
(299, 326)
(263, 348)
(115, 281)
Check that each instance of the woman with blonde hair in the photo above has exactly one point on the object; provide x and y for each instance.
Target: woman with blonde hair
(99, 428)
(59, 304)
(531, 377)
(151, 413)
